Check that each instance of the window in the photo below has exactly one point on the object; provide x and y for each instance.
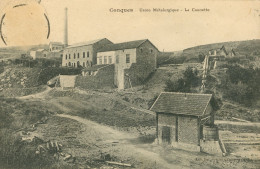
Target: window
(66, 57)
(105, 59)
(83, 54)
(87, 54)
(110, 59)
(100, 60)
(127, 60)
(69, 56)
(141, 49)
(69, 64)
(78, 55)
(74, 56)
(117, 59)
(151, 50)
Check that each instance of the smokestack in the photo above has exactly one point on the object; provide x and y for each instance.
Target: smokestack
(66, 28)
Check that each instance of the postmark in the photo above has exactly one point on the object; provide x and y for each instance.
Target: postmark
(24, 22)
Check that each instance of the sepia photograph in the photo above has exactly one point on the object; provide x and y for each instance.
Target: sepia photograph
(129, 84)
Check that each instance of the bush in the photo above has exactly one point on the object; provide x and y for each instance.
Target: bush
(242, 85)
(49, 73)
(190, 79)
(240, 93)
(175, 60)
(17, 154)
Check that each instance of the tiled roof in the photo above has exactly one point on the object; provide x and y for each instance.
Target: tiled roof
(181, 103)
(219, 49)
(121, 46)
(85, 43)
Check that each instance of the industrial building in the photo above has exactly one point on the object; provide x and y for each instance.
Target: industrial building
(133, 60)
(83, 54)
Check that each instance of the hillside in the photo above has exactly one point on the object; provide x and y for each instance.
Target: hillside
(249, 48)
(14, 52)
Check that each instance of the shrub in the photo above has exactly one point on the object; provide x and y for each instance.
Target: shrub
(190, 79)
(49, 73)
(241, 85)
(17, 154)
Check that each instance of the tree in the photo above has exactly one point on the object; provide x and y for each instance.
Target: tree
(190, 79)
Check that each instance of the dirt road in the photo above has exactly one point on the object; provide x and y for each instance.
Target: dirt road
(124, 145)
(126, 140)
(40, 95)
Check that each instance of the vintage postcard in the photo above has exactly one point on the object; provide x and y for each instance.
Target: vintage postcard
(145, 84)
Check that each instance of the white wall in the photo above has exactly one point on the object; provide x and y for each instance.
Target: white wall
(78, 50)
(101, 55)
(122, 58)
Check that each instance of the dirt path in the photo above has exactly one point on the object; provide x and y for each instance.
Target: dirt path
(113, 97)
(40, 95)
(125, 139)
(237, 123)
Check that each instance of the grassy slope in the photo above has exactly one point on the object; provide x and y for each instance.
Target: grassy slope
(14, 52)
(241, 47)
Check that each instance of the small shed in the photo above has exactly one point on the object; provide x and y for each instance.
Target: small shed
(67, 81)
(181, 117)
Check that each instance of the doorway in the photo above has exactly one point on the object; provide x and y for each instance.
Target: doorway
(166, 134)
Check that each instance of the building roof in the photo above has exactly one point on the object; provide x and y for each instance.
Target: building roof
(220, 49)
(181, 103)
(124, 45)
(85, 43)
(232, 51)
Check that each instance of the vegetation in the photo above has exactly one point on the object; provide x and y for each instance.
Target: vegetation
(175, 60)
(40, 62)
(190, 79)
(49, 73)
(241, 85)
(14, 152)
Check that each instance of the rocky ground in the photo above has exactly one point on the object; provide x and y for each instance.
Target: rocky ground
(92, 140)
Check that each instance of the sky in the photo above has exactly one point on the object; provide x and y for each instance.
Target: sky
(232, 20)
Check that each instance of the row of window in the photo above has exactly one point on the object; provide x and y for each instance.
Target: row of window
(107, 60)
(55, 48)
(84, 64)
(78, 55)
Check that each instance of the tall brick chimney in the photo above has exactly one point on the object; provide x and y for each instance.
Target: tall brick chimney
(66, 28)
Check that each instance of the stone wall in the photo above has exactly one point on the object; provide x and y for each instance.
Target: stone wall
(103, 79)
(183, 129)
(168, 121)
(188, 130)
(146, 55)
